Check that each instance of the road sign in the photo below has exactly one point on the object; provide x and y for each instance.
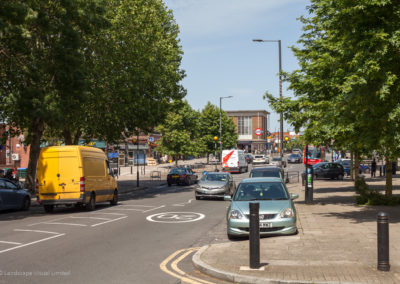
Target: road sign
(258, 131)
(151, 139)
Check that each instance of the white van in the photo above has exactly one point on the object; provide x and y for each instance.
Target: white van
(234, 161)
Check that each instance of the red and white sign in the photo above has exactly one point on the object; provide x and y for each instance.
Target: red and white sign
(258, 131)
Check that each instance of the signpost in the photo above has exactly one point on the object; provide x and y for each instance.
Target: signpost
(258, 131)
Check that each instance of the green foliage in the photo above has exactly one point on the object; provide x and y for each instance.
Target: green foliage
(180, 132)
(209, 128)
(370, 196)
(349, 78)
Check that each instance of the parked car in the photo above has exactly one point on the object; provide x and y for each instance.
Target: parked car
(260, 159)
(327, 170)
(276, 161)
(267, 172)
(346, 165)
(277, 212)
(215, 184)
(297, 151)
(294, 158)
(184, 176)
(249, 158)
(13, 196)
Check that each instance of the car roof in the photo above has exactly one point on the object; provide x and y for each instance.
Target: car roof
(218, 173)
(266, 169)
(261, 179)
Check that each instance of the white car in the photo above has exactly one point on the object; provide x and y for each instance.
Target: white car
(276, 161)
(260, 159)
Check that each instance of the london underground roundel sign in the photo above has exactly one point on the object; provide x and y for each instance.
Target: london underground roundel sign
(258, 131)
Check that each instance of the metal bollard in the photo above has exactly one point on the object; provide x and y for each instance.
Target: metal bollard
(254, 235)
(309, 182)
(383, 241)
(131, 170)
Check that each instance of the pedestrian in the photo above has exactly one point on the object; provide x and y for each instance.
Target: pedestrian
(373, 168)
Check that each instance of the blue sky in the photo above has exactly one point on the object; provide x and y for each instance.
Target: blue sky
(220, 58)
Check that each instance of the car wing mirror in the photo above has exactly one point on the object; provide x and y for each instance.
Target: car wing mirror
(115, 172)
(294, 196)
(227, 198)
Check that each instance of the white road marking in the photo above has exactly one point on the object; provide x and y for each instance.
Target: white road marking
(31, 243)
(123, 217)
(154, 208)
(183, 204)
(60, 223)
(10, 243)
(94, 218)
(118, 214)
(57, 219)
(175, 217)
(36, 231)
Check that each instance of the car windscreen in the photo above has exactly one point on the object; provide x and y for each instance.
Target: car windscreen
(276, 159)
(294, 156)
(214, 177)
(254, 174)
(261, 191)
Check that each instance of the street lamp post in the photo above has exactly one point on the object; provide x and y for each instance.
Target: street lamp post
(215, 152)
(220, 124)
(280, 93)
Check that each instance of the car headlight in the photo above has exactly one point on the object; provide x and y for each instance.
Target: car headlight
(235, 214)
(287, 213)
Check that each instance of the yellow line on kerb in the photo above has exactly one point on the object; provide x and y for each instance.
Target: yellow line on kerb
(174, 265)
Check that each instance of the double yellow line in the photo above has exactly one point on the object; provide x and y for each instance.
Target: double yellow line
(176, 272)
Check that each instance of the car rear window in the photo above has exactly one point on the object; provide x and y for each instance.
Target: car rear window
(259, 157)
(265, 174)
(177, 171)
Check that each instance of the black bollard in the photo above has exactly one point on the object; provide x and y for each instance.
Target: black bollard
(309, 192)
(254, 235)
(383, 241)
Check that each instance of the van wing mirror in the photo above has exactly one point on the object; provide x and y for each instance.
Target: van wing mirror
(115, 172)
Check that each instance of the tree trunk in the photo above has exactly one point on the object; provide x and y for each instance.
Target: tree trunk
(77, 136)
(37, 128)
(389, 185)
(67, 136)
(356, 166)
(351, 166)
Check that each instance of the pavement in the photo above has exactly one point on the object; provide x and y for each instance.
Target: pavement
(336, 243)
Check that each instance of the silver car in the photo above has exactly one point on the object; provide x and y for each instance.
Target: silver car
(215, 184)
(260, 159)
(277, 212)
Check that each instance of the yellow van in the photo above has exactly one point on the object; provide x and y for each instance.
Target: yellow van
(74, 175)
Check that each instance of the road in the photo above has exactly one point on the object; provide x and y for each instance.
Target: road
(148, 238)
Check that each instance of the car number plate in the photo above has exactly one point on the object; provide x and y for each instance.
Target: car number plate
(226, 169)
(265, 225)
(175, 176)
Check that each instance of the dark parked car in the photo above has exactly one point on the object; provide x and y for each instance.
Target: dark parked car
(294, 158)
(327, 170)
(346, 165)
(249, 158)
(13, 196)
(184, 176)
(267, 172)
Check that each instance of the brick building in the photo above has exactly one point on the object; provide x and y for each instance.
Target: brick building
(247, 121)
(14, 154)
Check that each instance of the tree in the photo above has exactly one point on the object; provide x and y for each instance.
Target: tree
(180, 132)
(209, 128)
(348, 82)
(42, 66)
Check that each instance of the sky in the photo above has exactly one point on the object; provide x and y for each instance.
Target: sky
(220, 59)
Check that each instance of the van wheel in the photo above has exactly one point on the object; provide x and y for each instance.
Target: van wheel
(26, 203)
(114, 201)
(48, 208)
(92, 203)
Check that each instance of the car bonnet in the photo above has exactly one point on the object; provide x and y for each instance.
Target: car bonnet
(266, 206)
